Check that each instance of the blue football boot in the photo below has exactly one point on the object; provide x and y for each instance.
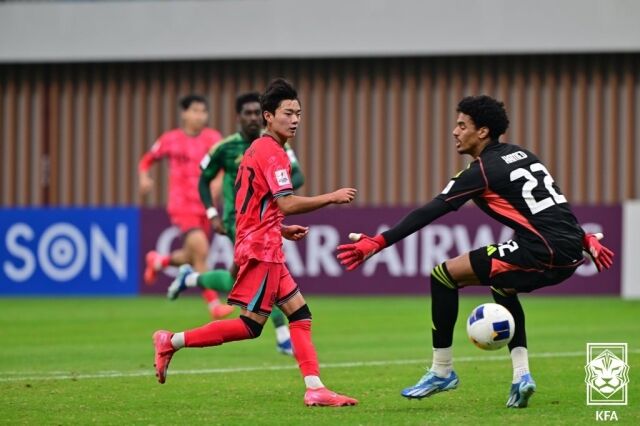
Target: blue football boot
(178, 285)
(285, 347)
(431, 384)
(521, 392)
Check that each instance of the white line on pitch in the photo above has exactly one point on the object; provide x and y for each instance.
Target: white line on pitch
(58, 375)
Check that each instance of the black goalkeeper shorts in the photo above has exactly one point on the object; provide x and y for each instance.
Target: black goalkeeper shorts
(512, 265)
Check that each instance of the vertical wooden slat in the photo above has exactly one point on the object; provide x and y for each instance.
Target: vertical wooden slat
(83, 141)
(562, 164)
(535, 109)
(112, 174)
(502, 94)
(333, 135)
(178, 81)
(348, 142)
(155, 129)
(214, 96)
(596, 149)
(38, 156)
(97, 170)
(4, 144)
(364, 132)
(394, 141)
(629, 150)
(580, 147)
(551, 108)
(10, 136)
(301, 143)
(519, 112)
(54, 134)
(126, 161)
(229, 89)
(24, 139)
(427, 119)
(317, 120)
(377, 175)
(199, 83)
(440, 174)
(613, 135)
(409, 122)
(141, 136)
(67, 151)
(455, 160)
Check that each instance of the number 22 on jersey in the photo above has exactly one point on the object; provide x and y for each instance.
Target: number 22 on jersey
(536, 206)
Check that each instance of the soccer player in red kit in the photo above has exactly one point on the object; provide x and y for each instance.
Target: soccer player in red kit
(184, 147)
(264, 197)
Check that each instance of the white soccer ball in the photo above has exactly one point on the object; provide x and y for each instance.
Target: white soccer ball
(490, 326)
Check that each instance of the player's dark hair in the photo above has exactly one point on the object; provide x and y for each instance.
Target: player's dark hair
(186, 102)
(246, 98)
(486, 112)
(277, 91)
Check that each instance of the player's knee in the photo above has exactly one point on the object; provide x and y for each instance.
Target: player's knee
(440, 275)
(196, 240)
(255, 328)
(303, 313)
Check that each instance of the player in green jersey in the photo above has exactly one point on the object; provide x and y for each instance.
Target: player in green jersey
(226, 157)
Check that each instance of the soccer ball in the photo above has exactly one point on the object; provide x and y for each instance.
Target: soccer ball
(490, 326)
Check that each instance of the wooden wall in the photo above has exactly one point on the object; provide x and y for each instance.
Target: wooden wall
(72, 134)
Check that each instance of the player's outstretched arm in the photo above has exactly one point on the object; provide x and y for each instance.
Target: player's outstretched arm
(294, 204)
(601, 255)
(145, 183)
(363, 247)
(352, 255)
(157, 151)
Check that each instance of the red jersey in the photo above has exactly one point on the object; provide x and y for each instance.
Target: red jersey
(184, 153)
(263, 176)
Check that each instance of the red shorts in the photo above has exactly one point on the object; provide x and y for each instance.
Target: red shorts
(188, 222)
(261, 284)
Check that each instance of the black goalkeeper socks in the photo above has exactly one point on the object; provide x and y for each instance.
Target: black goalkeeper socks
(444, 306)
(512, 303)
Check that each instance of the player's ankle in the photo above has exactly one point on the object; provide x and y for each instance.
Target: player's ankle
(442, 364)
(177, 341)
(313, 382)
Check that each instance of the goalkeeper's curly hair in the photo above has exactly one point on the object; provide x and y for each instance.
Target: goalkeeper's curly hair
(486, 112)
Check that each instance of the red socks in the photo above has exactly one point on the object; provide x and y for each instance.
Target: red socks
(219, 332)
(209, 295)
(216, 333)
(303, 348)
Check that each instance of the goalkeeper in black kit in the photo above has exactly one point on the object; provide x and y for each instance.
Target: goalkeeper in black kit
(511, 185)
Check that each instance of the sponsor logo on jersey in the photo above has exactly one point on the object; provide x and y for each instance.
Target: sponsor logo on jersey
(512, 158)
(282, 177)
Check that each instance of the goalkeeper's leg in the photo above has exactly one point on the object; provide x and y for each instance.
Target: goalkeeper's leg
(522, 385)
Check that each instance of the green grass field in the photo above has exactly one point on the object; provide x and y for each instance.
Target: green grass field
(86, 361)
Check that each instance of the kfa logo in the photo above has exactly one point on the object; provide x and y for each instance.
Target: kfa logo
(607, 374)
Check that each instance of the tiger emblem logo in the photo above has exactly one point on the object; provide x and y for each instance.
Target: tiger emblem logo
(607, 374)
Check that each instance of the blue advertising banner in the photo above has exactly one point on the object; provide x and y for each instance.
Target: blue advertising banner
(62, 251)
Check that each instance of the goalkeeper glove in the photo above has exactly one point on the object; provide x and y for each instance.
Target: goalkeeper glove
(363, 247)
(602, 257)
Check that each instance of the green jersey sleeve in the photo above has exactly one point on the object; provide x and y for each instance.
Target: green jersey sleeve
(209, 166)
(297, 178)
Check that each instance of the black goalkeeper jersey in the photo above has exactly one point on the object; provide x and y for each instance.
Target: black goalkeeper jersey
(511, 185)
